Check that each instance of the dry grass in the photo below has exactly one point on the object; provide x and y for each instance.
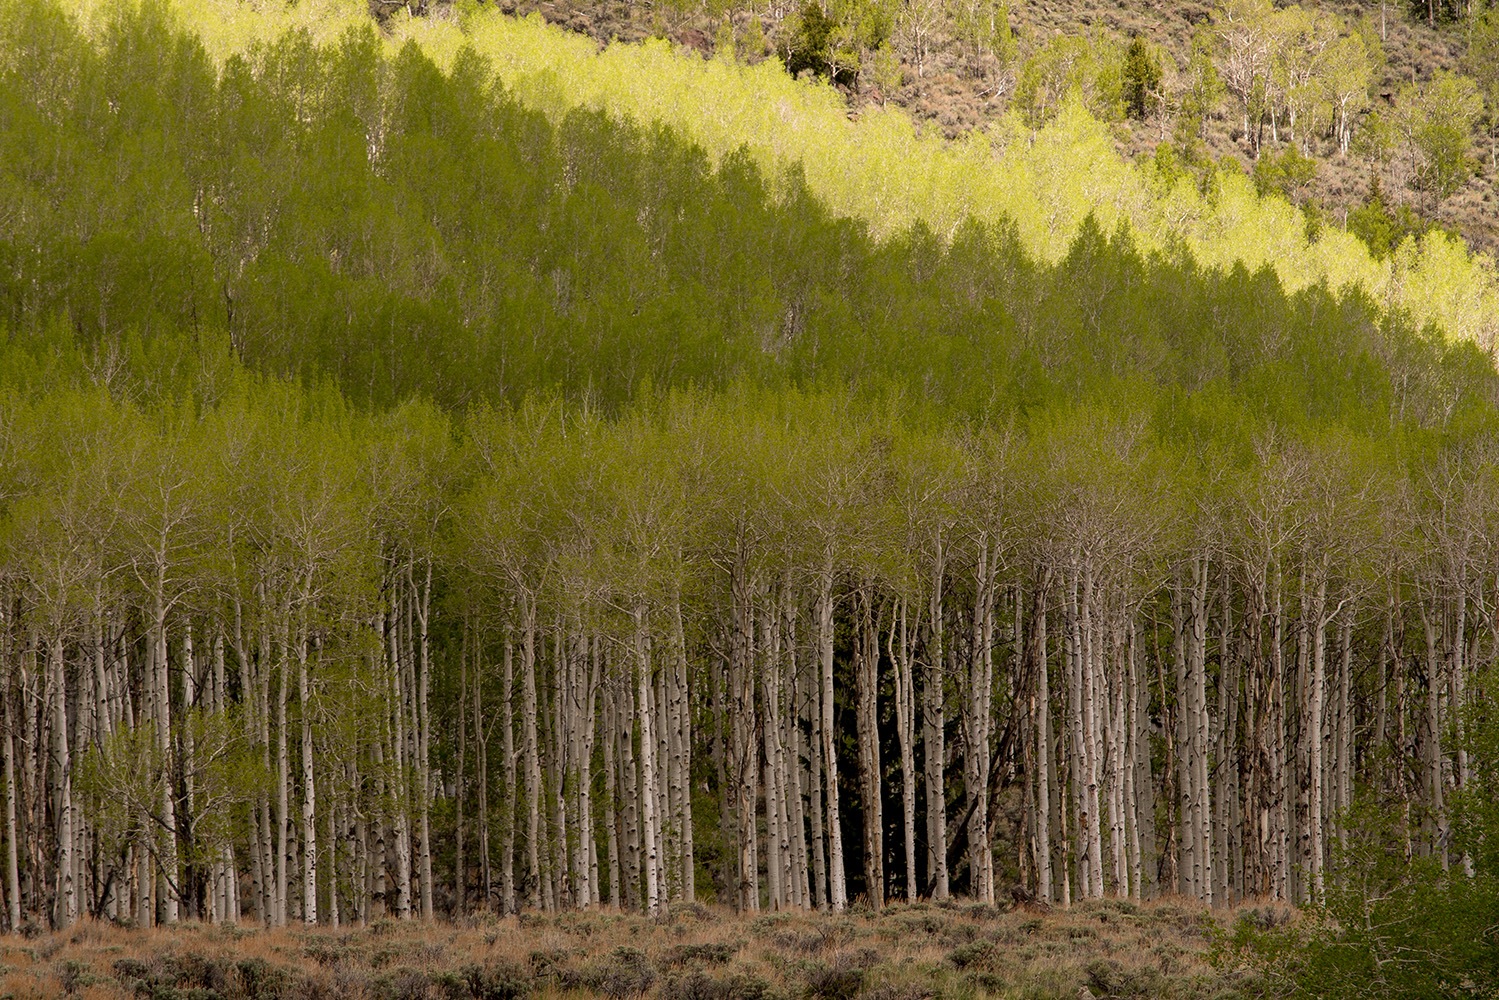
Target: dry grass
(921, 952)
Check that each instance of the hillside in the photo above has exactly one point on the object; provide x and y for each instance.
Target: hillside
(1045, 182)
(949, 89)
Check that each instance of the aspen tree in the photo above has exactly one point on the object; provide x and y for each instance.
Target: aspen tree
(508, 817)
(866, 684)
(899, 651)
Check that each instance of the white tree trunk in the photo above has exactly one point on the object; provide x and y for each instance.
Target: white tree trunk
(837, 887)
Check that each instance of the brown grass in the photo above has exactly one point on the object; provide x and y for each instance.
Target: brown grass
(922, 952)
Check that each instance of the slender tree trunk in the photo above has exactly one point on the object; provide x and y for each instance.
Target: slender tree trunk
(684, 755)
(837, 889)
(815, 771)
(976, 714)
(899, 649)
(777, 847)
(460, 798)
(508, 902)
(611, 788)
(423, 742)
(283, 783)
(532, 750)
(866, 685)
(163, 720)
(309, 793)
(1314, 723)
(934, 734)
(654, 904)
(1044, 752)
(12, 863)
(401, 771)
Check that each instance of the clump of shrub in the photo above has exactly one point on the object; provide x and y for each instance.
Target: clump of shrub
(693, 986)
(74, 975)
(1110, 979)
(402, 984)
(194, 971)
(625, 973)
(548, 963)
(324, 954)
(698, 985)
(839, 981)
(901, 991)
(259, 980)
(973, 954)
(699, 954)
(918, 920)
(475, 982)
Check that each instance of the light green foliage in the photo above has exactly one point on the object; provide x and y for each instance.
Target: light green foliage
(1289, 172)
(855, 167)
(1435, 120)
(724, 42)
(1246, 55)
(859, 28)
(1375, 139)
(1088, 68)
(1304, 42)
(751, 45)
(885, 69)
(1381, 227)
(982, 28)
(1202, 91)
(1481, 61)
(1295, 73)
(876, 169)
(1432, 271)
(1348, 69)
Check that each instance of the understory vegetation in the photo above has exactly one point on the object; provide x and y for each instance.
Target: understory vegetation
(1110, 948)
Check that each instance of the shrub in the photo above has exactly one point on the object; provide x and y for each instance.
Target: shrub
(699, 954)
(625, 973)
(902, 991)
(497, 982)
(745, 986)
(548, 962)
(402, 984)
(693, 986)
(259, 980)
(839, 981)
(1111, 979)
(73, 975)
(975, 953)
(195, 971)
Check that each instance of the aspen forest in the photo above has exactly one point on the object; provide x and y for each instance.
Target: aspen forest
(425, 502)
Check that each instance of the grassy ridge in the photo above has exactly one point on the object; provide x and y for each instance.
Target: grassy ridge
(879, 169)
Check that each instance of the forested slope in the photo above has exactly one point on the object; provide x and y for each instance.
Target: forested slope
(414, 502)
(1044, 181)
